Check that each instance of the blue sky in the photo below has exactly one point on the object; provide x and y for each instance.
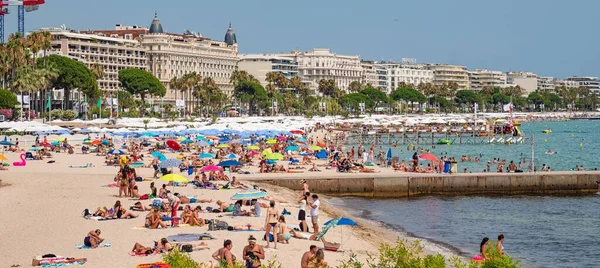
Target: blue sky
(550, 37)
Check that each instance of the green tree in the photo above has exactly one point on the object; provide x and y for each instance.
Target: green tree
(409, 95)
(252, 93)
(140, 82)
(71, 75)
(238, 76)
(355, 86)
(353, 100)
(327, 87)
(376, 96)
(8, 100)
(467, 97)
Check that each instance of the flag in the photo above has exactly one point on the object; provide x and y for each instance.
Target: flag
(99, 103)
(508, 107)
(48, 103)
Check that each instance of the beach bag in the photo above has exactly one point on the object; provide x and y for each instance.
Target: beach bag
(271, 238)
(139, 179)
(187, 248)
(86, 213)
(144, 197)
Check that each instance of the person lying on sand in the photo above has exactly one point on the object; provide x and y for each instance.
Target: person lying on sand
(186, 200)
(191, 246)
(247, 227)
(237, 184)
(101, 212)
(163, 246)
(140, 249)
(138, 206)
(93, 239)
(306, 236)
(224, 206)
(121, 212)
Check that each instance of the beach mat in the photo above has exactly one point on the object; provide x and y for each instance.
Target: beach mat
(246, 230)
(131, 253)
(102, 245)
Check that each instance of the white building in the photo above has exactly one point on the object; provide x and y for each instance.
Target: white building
(113, 54)
(565, 83)
(480, 78)
(444, 74)
(369, 73)
(321, 63)
(527, 81)
(546, 83)
(258, 65)
(589, 82)
(397, 73)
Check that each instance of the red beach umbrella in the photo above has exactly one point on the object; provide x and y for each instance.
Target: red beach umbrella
(297, 131)
(428, 156)
(173, 145)
(96, 142)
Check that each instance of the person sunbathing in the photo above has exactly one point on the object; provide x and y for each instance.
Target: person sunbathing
(93, 239)
(224, 206)
(314, 168)
(138, 206)
(247, 227)
(191, 246)
(186, 215)
(195, 219)
(272, 198)
(154, 220)
(163, 246)
(121, 212)
(101, 212)
(237, 209)
(304, 235)
(283, 231)
(237, 184)
(140, 249)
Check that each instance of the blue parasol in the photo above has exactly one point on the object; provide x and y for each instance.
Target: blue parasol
(206, 156)
(249, 194)
(389, 154)
(333, 223)
(170, 163)
(292, 148)
(186, 141)
(159, 155)
(232, 156)
(230, 163)
(115, 152)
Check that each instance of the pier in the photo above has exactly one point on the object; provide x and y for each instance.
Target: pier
(430, 138)
(402, 185)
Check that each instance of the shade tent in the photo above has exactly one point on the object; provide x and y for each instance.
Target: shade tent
(169, 163)
(322, 154)
(332, 224)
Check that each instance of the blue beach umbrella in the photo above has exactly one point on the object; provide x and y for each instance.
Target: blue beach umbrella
(159, 155)
(270, 162)
(389, 154)
(333, 223)
(292, 148)
(4, 142)
(230, 163)
(186, 141)
(54, 143)
(170, 163)
(35, 149)
(115, 152)
(232, 156)
(206, 156)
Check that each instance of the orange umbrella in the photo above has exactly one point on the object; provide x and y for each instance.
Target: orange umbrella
(96, 142)
(428, 156)
(212, 137)
(321, 144)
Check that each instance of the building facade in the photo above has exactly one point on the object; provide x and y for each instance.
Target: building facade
(565, 83)
(397, 73)
(527, 81)
(113, 54)
(589, 82)
(320, 63)
(546, 83)
(258, 65)
(480, 78)
(369, 73)
(444, 74)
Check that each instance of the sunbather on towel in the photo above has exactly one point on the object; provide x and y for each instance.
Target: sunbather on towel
(224, 206)
(163, 246)
(303, 235)
(121, 212)
(101, 212)
(93, 239)
(194, 246)
(138, 206)
(154, 220)
(139, 249)
(247, 227)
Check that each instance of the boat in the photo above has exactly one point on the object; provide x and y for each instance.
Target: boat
(547, 131)
(444, 141)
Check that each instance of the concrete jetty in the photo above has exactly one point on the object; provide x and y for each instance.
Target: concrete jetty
(396, 184)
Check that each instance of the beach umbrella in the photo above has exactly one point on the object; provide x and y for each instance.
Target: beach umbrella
(369, 164)
(274, 156)
(297, 131)
(253, 147)
(315, 148)
(202, 143)
(212, 138)
(429, 157)
(389, 154)
(232, 156)
(206, 156)
(159, 155)
(149, 134)
(180, 138)
(249, 194)
(35, 149)
(292, 148)
(59, 139)
(105, 142)
(54, 143)
(333, 223)
(115, 152)
(302, 139)
(96, 142)
(174, 178)
(281, 138)
(211, 168)
(223, 145)
(186, 141)
(172, 162)
(3, 158)
(270, 162)
(266, 152)
(4, 142)
(173, 145)
(230, 163)
(271, 141)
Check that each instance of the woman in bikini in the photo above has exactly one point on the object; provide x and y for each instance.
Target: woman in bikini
(283, 231)
(163, 246)
(271, 222)
(154, 220)
(121, 212)
(122, 180)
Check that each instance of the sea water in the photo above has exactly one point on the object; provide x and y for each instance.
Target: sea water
(575, 143)
(539, 231)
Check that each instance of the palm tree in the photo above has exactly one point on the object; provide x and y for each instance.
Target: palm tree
(97, 71)
(5, 64)
(355, 86)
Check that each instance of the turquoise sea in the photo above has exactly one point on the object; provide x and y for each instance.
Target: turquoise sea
(575, 143)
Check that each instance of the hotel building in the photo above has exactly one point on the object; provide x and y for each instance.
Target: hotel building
(258, 65)
(397, 73)
(527, 81)
(546, 83)
(589, 82)
(480, 78)
(444, 73)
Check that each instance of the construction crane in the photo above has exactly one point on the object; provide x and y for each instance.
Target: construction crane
(22, 7)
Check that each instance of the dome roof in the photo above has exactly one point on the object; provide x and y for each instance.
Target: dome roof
(230, 38)
(156, 27)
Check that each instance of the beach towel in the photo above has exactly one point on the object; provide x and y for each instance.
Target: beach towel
(131, 253)
(84, 166)
(79, 261)
(110, 185)
(246, 231)
(102, 245)
(190, 237)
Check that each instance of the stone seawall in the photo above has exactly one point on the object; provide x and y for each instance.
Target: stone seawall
(412, 185)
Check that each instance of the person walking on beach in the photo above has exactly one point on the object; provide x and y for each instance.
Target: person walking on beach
(253, 253)
(307, 255)
(223, 256)
(271, 222)
(302, 212)
(314, 212)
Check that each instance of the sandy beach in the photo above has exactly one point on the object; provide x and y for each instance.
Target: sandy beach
(43, 214)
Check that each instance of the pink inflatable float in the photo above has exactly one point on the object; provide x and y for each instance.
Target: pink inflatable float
(22, 163)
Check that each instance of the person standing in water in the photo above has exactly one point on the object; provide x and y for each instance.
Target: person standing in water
(501, 244)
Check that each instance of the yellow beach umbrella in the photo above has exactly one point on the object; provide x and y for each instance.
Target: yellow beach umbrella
(174, 178)
(223, 145)
(274, 156)
(60, 139)
(2, 157)
(315, 148)
(272, 141)
(253, 147)
(180, 138)
(266, 152)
